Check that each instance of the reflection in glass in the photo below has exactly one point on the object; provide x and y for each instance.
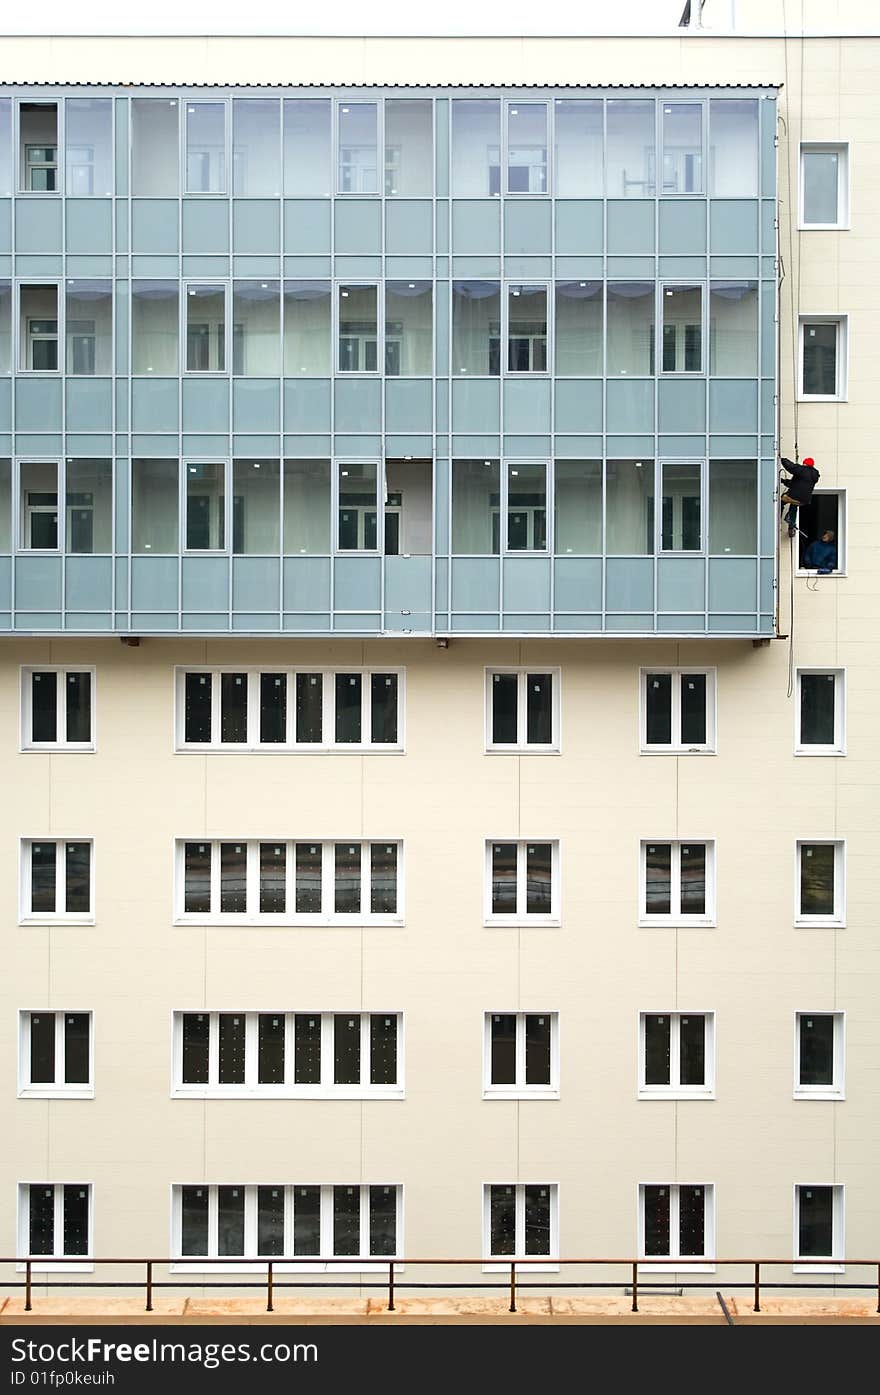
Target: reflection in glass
(579, 153)
(630, 152)
(527, 329)
(205, 147)
(476, 148)
(527, 148)
(358, 329)
(88, 145)
(89, 327)
(256, 328)
(629, 507)
(409, 147)
(205, 329)
(154, 505)
(682, 148)
(681, 525)
(307, 147)
(89, 500)
(476, 486)
(256, 146)
(579, 328)
(356, 122)
(307, 328)
(154, 328)
(526, 508)
(476, 327)
(154, 147)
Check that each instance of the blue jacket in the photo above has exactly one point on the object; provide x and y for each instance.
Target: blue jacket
(821, 555)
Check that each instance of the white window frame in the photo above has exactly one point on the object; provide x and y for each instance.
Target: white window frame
(253, 745)
(58, 1263)
(61, 744)
(187, 287)
(359, 284)
(57, 1089)
(675, 917)
(355, 1264)
(676, 746)
(835, 1263)
(210, 152)
(520, 1090)
(58, 916)
(837, 1089)
(290, 917)
(251, 1089)
(838, 746)
(549, 288)
(521, 916)
(670, 284)
(381, 495)
(675, 1090)
(522, 746)
(187, 464)
(674, 1263)
(838, 916)
(840, 569)
(820, 147)
(495, 1264)
(840, 393)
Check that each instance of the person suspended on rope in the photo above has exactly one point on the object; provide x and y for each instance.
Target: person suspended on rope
(821, 554)
(799, 489)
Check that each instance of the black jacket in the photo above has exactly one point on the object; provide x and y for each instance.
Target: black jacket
(801, 486)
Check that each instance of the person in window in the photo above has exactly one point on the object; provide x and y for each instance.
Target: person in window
(799, 489)
(822, 554)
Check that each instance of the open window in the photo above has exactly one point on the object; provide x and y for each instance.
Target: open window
(822, 540)
(408, 508)
(38, 328)
(38, 147)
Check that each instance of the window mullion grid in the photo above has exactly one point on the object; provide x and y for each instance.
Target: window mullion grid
(327, 1053)
(59, 1048)
(251, 1050)
(366, 1063)
(674, 1051)
(213, 1049)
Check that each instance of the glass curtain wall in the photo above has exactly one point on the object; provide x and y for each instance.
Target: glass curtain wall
(357, 133)
(630, 149)
(89, 506)
(205, 147)
(629, 507)
(5, 327)
(733, 506)
(630, 328)
(5, 146)
(733, 147)
(578, 507)
(256, 506)
(88, 145)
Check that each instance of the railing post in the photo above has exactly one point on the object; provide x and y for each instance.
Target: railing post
(391, 1286)
(27, 1286)
(757, 1307)
(512, 1307)
(269, 1306)
(149, 1307)
(635, 1302)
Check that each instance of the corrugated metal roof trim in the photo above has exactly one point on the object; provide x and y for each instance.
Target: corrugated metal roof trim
(419, 86)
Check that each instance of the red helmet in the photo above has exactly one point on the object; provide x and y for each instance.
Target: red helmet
(808, 460)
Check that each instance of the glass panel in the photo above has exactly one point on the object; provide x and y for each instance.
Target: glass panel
(680, 529)
(78, 690)
(309, 705)
(233, 878)
(346, 1220)
(504, 878)
(78, 877)
(733, 328)
(658, 1047)
(154, 326)
(197, 708)
(682, 329)
(537, 1049)
(630, 340)
(383, 1049)
(383, 1220)
(42, 1053)
(154, 148)
(270, 1221)
(476, 327)
(89, 145)
(43, 877)
(44, 706)
(307, 1219)
(307, 329)
(195, 1048)
(256, 506)
(76, 1048)
(306, 506)
(233, 707)
(383, 878)
(682, 148)
(409, 148)
(205, 329)
(503, 1050)
(658, 709)
(502, 1220)
(578, 506)
(527, 148)
(408, 327)
(154, 505)
(308, 878)
(733, 147)
(5, 145)
(347, 897)
(358, 331)
(816, 1050)
(38, 330)
(346, 1049)
(505, 687)
(630, 148)
(656, 1201)
(579, 327)
(232, 1036)
(41, 1220)
(230, 1220)
(527, 508)
(256, 328)
(658, 878)
(815, 1222)
(692, 1050)
(539, 875)
(205, 506)
(693, 709)
(693, 879)
(476, 516)
(205, 147)
(629, 507)
(89, 327)
(76, 1220)
(273, 890)
(733, 506)
(5, 338)
(537, 1220)
(273, 708)
(579, 149)
(691, 1220)
(539, 709)
(256, 146)
(307, 1049)
(817, 879)
(89, 521)
(39, 490)
(821, 174)
(820, 360)
(817, 709)
(348, 688)
(307, 147)
(476, 149)
(383, 709)
(38, 123)
(356, 122)
(527, 329)
(197, 877)
(358, 508)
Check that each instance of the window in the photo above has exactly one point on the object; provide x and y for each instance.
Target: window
(819, 1227)
(522, 710)
(578, 511)
(521, 1219)
(38, 481)
(677, 1223)
(307, 511)
(820, 883)
(682, 148)
(820, 712)
(55, 1223)
(733, 507)
(823, 358)
(256, 507)
(56, 1059)
(256, 146)
(286, 709)
(733, 147)
(522, 883)
(358, 329)
(579, 148)
(578, 325)
(39, 328)
(88, 131)
(155, 155)
(476, 503)
(681, 516)
(57, 877)
(298, 1224)
(476, 328)
(678, 710)
(206, 329)
(823, 522)
(409, 147)
(527, 329)
(89, 327)
(682, 344)
(308, 339)
(676, 1055)
(307, 162)
(824, 186)
(290, 1055)
(57, 709)
(819, 1056)
(358, 162)
(630, 148)
(205, 506)
(5, 323)
(155, 486)
(629, 348)
(678, 883)
(521, 1055)
(408, 328)
(476, 147)
(358, 515)
(205, 147)
(38, 134)
(527, 148)
(256, 328)
(154, 327)
(281, 882)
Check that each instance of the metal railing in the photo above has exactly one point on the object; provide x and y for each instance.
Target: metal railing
(393, 1284)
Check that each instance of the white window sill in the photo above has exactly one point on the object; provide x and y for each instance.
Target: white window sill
(57, 1266)
(287, 1266)
(825, 1267)
(50, 920)
(522, 1267)
(533, 750)
(514, 922)
(823, 227)
(283, 922)
(57, 1092)
(681, 1266)
(283, 1092)
(286, 749)
(678, 751)
(673, 1093)
(819, 1092)
(53, 747)
(814, 571)
(534, 1092)
(820, 397)
(820, 750)
(677, 922)
(819, 922)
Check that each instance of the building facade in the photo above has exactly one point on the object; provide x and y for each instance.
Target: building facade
(440, 806)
